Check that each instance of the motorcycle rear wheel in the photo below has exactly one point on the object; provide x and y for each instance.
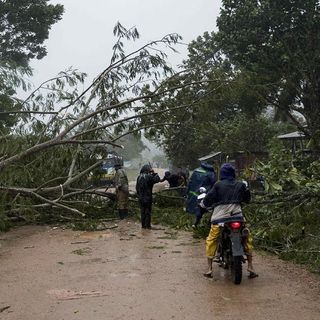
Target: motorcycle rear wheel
(236, 269)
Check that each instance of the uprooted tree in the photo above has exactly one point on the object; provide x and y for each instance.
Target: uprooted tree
(45, 158)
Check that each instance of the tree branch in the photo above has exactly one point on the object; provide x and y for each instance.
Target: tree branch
(145, 127)
(71, 141)
(31, 193)
(27, 112)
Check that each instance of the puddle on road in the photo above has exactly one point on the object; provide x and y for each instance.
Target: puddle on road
(167, 238)
(124, 274)
(95, 235)
(65, 294)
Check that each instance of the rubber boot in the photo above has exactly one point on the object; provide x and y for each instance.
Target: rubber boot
(196, 222)
(125, 213)
(121, 214)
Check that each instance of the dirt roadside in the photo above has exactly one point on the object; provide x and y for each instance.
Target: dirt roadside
(129, 273)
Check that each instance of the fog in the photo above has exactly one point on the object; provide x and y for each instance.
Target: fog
(83, 38)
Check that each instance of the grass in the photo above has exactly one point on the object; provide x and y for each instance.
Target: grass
(82, 251)
(156, 247)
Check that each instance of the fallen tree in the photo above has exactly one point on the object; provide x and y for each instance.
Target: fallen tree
(63, 133)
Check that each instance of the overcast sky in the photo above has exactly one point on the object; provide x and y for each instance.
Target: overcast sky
(83, 38)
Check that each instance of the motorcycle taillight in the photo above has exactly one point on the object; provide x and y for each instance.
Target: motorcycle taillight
(235, 225)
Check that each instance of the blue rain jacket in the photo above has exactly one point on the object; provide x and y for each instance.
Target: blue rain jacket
(201, 177)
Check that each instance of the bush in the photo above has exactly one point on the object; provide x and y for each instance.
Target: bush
(287, 220)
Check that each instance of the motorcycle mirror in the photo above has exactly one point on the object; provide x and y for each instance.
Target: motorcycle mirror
(202, 190)
(245, 183)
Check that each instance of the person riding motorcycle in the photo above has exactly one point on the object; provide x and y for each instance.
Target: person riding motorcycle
(226, 196)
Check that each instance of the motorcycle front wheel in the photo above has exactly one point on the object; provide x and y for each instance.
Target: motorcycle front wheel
(236, 269)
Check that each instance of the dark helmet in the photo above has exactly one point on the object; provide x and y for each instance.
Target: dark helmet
(227, 172)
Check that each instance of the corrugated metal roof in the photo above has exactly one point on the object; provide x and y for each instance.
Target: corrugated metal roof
(292, 135)
(209, 156)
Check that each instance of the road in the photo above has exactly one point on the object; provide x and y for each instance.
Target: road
(128, 273)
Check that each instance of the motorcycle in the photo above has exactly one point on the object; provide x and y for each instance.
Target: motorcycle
(231, 248)
(230, 252)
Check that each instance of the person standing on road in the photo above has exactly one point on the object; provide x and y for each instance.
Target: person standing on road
(122, 190)
(145, 181)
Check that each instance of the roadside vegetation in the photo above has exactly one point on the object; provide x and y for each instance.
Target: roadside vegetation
(286, 219)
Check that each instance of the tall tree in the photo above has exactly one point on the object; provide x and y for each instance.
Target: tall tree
(279, 43)
(219, 100)
(24, 26)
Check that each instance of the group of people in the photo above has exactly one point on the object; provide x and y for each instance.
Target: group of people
(225, 195)
(144, 186)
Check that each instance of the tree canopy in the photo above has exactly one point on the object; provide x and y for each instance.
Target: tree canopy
(24, 26)
(265, 54)
(222, 109)
(279, 43)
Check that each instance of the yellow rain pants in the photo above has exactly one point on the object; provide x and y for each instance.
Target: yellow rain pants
(212, 242)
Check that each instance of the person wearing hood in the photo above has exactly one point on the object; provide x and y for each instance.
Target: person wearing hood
(122, 190)
(145, 181)
(201, 177)
(172, 178)
(226, 196)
